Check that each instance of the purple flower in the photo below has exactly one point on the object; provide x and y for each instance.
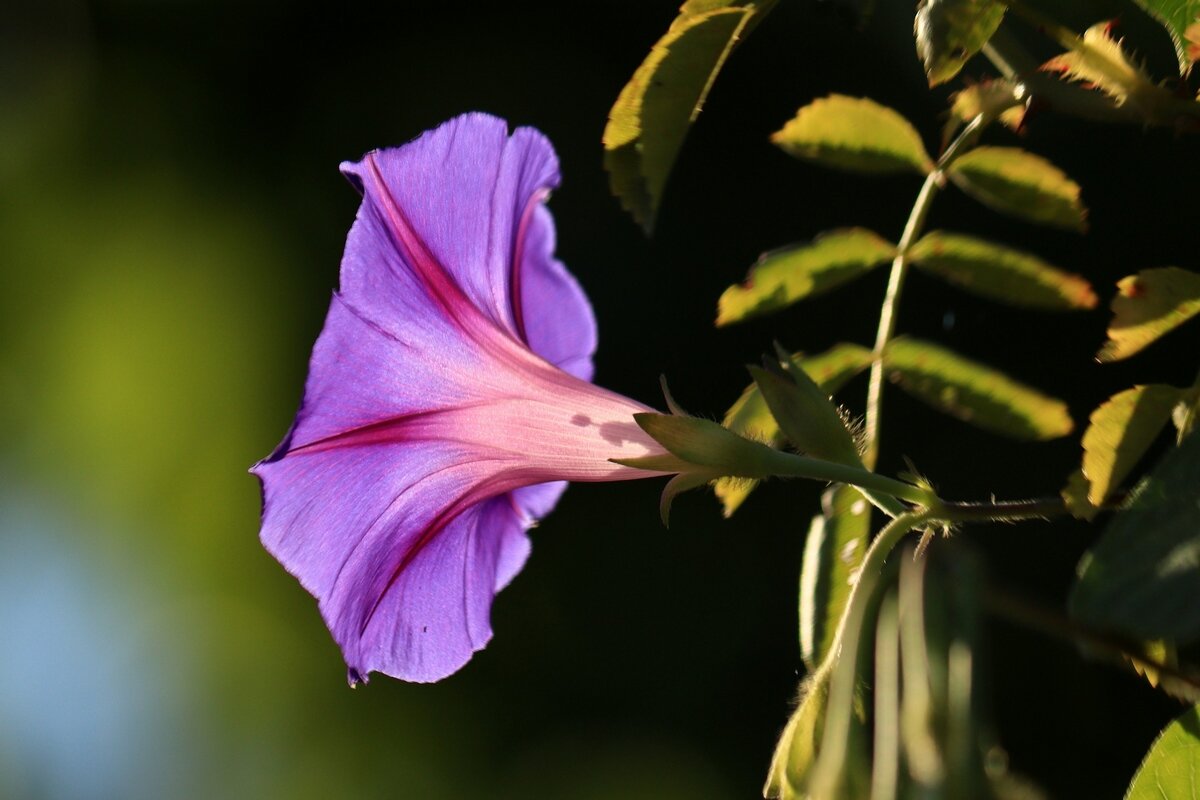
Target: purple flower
(448, 400)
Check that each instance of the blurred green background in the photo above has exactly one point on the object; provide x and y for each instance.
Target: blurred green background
(171, 222)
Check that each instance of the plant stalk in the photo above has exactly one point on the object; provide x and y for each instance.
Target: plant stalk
(891, 301)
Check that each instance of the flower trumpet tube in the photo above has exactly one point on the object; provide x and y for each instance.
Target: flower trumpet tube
(448, 400)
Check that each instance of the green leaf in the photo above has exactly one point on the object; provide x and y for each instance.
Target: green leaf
(750, 417)
(651, 116)
(1013, 181)
(806, 416)
(1176, 16)
(1169, 770)
(854, 133)
(833, 551)
(781, 277)
(974, 392)
(1142, 578)
(1148, 305)
(1000, 273)
(949, 32)
(1121, 431)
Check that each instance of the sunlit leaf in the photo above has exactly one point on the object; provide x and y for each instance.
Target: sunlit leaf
(949, 32)
(973, 392)
(999, 272)
(856, 134)
(750, 417)
(651, 116)
(1147, 306)
(1075, 497)
(1179, 17)
(1121, 431)
(781, 277)
(806, 416)
(1169, 770)
(997, 98)
(1099, 60)
(1142, 578)
(833, 550)
(1013, 181)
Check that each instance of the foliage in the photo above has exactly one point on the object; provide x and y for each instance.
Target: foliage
(893, 705)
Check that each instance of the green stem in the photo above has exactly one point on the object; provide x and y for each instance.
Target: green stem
(1007, 511)
(1020, 611)
(842, 657)
(790, 465)
(891, 301)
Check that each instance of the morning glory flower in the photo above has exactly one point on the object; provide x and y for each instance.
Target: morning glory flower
(448, 400)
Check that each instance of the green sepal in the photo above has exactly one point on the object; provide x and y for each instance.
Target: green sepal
(810, 422)
(749, 416)
(703, 443)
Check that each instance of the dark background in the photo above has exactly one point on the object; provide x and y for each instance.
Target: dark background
(171, 221)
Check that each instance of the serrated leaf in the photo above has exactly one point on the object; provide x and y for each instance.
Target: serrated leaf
(781, 277)
(1001, 273)
(833, 551)
(1178, 17)
(1013, 181)
(949, 32)
(652, 114)
(1169, 770)
(997, 98)
(1121, 431)
(856, 134)
(1099, 60)
(973, 392)
(1148, 305)
(1149, 663)
(806, 416)
(750, 417)
(1142, 577)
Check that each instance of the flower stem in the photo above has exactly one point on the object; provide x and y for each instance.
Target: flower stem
(790, 465)
(891, 301)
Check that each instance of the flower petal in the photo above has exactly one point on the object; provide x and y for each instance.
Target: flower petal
(450, 204)
(390, 539)
(448, 386)
(557, 320)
